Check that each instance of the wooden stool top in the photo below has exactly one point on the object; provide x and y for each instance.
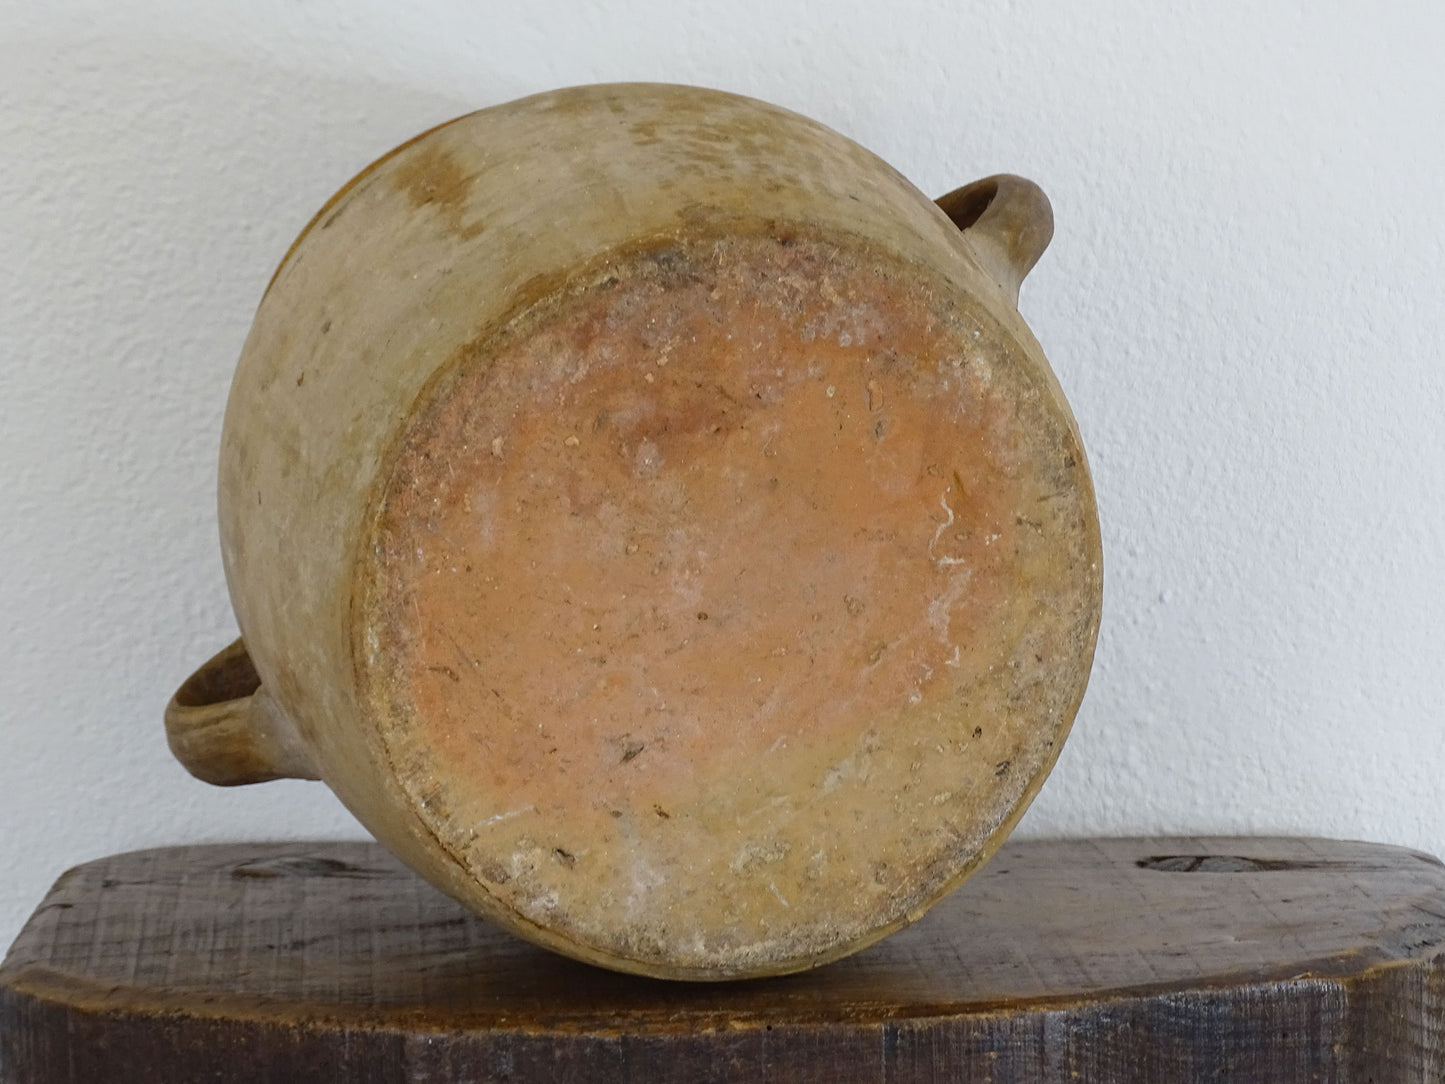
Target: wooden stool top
(1249, 959)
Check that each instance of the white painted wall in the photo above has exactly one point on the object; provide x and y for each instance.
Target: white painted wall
(1244, 301)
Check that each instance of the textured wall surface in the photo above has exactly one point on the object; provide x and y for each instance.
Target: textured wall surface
(1243, 300)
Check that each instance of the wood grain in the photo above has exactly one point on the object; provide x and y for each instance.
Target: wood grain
(1261, 960)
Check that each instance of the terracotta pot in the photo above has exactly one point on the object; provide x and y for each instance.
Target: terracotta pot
(651, 517)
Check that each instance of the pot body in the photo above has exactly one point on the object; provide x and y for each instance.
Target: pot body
(650, 516)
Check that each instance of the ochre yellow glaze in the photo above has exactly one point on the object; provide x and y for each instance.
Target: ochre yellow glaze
(651, 517)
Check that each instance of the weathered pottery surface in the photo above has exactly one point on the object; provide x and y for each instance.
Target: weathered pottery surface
(649, 514)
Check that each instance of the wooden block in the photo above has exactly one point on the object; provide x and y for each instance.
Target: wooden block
(1252, 959)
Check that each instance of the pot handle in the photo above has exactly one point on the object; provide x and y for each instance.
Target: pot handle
(227, 730)
(1008, 223)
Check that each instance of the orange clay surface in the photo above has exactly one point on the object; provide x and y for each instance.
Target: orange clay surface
(720, 609)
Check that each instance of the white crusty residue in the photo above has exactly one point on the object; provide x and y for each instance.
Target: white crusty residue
(945, 525)
(507, 815)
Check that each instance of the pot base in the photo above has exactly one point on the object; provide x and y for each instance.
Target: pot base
(724, 610)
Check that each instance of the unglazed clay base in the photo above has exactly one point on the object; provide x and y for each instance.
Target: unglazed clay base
(725, 609)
